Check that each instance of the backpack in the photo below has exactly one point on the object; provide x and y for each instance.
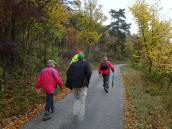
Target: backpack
(104, 66)
(52, 73)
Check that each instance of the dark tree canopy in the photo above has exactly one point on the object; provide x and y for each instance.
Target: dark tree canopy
(118, 31)
(118, 26)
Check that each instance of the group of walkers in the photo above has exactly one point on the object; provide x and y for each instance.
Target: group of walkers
(78, 79)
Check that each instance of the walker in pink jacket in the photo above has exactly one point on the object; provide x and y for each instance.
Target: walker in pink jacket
(48, 80)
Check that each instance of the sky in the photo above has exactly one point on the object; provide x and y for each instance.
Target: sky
(120, 4)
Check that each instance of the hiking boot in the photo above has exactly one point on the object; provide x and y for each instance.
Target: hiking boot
(46, 117)
(52, 111)
(106, 90)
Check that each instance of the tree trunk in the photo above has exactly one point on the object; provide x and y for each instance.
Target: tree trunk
(28, 41)
(46, 47)
(150, 64)
(13, 28)
(45, 52)
(88, 52)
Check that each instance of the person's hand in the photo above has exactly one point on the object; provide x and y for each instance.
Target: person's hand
(38, 91)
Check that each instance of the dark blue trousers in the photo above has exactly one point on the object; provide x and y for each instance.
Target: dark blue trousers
(49, 104)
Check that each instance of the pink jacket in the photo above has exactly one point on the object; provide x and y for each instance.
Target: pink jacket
(48, 80)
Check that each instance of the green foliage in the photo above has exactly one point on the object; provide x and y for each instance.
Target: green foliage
(1, 78)
(1, 71)
(153, 49)
(94, 11)
(91, 37)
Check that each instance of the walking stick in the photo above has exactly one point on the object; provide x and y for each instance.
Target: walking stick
(113, 80)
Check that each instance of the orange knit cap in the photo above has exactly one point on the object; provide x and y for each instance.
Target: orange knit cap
(78, 51)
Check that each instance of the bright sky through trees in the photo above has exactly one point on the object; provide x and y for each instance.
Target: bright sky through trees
(119, 4)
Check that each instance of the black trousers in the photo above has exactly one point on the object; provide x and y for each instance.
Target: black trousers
(106, 81)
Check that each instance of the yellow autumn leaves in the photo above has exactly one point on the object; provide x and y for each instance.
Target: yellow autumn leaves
(154, 38)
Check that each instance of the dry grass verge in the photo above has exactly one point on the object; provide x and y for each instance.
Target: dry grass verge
(145, 107)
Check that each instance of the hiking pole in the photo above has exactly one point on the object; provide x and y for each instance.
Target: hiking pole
(113, 80)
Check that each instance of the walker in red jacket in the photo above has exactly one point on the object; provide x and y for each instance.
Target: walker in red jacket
(48, 80)
(104, 70)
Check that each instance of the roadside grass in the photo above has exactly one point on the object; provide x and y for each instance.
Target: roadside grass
(148, 105)
(124, 61)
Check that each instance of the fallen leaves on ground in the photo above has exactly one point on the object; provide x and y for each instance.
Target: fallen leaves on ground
(33, 112)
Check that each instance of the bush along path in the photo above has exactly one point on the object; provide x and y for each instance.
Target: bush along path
(103, 110)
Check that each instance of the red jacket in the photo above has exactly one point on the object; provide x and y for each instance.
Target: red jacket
(48, 80)
(106, 72)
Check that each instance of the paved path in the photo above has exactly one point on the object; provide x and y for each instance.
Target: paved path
(103, 111)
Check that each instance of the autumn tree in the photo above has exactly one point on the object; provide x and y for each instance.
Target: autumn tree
(31, 31)
(87, 23)
(95, 16)
(154, 37)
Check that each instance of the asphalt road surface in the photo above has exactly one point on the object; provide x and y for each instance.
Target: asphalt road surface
(103, 110)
